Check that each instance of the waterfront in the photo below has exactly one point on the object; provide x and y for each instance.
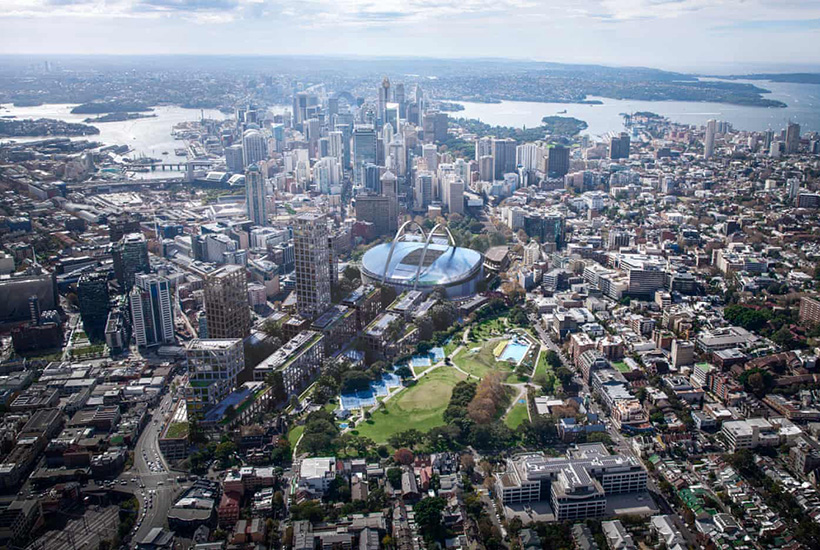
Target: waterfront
(803, 102)
(145, 136)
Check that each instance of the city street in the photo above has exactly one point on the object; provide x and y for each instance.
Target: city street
(157, 485)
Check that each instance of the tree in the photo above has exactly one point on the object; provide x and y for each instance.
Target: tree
(394, 477)
(425, 327)
(443, 316)
(467, 462)
(403, 456)
(293, 402)
(428, 517)
(310, 510)
(355, 380)
(278, 391)
(404, 372)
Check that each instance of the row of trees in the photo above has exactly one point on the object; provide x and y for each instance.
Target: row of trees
(489, 401)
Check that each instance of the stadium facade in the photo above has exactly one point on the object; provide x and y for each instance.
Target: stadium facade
(421, 263)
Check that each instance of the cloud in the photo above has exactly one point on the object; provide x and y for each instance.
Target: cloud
(772, 25)
(721, 14)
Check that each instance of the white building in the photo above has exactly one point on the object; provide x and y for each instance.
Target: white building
(316, 475)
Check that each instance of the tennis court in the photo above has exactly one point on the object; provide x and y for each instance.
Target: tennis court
(367, 398)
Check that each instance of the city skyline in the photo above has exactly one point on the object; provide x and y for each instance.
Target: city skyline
(690, 35)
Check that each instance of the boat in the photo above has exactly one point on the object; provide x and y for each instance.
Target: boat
(165, 152)
(562, 112)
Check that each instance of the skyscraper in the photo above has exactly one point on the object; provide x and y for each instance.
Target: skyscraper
(503, 157)
(312, 257)
(557, 161)
(429, 153)
(364, 151)
(794, 189)
(398, 157)
(151, 311)
(423, 192)
(709, 140)
(391, 116)
(254, 147)
(226, 303)
(92, 292)
(454, 195)
(255, 196)
(130, 256)
(792, 138)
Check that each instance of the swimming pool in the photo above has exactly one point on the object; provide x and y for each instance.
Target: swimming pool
(514, 351)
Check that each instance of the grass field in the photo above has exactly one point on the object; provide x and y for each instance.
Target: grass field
(543, 368)
(420, 406)
(517, 415)
(482, 361)
(294, 434)
(418, 370)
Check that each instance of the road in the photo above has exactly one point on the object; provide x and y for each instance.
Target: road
(157, 485)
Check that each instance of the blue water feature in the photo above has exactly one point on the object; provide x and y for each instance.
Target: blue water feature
(515, 351)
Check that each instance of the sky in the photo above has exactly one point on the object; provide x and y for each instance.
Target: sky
(719, 36)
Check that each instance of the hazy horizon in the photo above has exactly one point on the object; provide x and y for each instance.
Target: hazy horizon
(682, 35)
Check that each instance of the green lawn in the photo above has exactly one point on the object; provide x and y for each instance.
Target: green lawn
(481, 362)
(544, 369)
(517, 415)
(451, 346)
(177, 430)
(420, 406)
(418, 370)
(294, 434)
(490, 328)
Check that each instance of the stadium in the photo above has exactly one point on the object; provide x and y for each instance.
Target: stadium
(413, 263)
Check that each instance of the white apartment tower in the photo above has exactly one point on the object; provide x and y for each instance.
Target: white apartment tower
(151, 310)
(255, 196)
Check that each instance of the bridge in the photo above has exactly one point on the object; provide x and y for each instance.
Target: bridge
(177, 166)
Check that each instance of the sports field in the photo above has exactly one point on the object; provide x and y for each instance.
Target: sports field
(420, 406)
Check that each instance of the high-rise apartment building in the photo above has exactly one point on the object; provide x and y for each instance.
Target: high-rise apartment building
(312, 255)
(709, 140)
(254, 147)
(226, 303)
(385, 96)
(92, 292)
(213, 366)
(792, 138)
(152, 315)
(255, 195)
(130, 255)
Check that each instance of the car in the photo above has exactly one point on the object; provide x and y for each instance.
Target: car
(160, 483)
